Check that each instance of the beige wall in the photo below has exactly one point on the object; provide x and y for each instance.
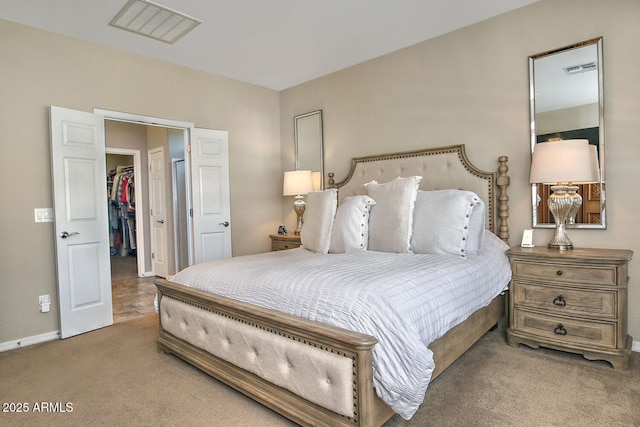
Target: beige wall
(40, 69)
(471, 86)
(584, 116)
(115, 160)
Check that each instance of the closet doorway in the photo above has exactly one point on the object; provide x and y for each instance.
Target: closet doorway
(131, 245)
(132, 292)
(127, 161)
(123, 170)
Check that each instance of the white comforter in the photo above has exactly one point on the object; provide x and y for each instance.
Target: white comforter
(406, 301)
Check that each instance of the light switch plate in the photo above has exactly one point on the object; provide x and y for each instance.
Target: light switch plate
(43, 214)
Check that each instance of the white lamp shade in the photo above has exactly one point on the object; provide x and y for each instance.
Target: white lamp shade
(564, 161)
(297, 183)
(317, 180)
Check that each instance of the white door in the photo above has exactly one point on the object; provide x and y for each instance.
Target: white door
(210, 194)
(81, 223)
(180, 212)
(158, 213)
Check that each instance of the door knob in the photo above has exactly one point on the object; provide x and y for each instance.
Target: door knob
(225, 223)
(66, 234)
(161, 221)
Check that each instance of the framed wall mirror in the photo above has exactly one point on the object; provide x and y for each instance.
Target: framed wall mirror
(567, 96)
(309, 145)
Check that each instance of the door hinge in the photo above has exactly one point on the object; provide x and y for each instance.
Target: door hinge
(188, 148)
(153, 256)
(191, 212)
(151, 212)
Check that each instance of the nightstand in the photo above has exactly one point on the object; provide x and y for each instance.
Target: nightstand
(573, 300)
(281, 242)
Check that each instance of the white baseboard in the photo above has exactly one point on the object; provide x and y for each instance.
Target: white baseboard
(24, 342)
(635, 346)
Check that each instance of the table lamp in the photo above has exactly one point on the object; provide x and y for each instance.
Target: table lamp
(297, 183)
(562, 164)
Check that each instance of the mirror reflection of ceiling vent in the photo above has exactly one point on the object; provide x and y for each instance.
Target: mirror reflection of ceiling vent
(153, 20)
(581, 68)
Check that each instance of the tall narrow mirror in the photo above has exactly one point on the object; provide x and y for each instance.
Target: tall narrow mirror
(567, 97)
(309, 146)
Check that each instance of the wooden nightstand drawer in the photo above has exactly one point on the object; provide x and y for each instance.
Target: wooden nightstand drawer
(563, 272)
(282, 242)
(563, 301)
(283, 246)
(566, 331)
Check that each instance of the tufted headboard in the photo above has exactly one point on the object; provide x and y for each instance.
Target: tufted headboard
(440, 168)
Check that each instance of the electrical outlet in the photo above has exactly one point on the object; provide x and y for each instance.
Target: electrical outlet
(43, 299)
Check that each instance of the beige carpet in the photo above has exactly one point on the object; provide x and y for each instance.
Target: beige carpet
(116, 377)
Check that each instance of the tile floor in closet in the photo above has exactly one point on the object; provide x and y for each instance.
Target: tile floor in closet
(132, 295)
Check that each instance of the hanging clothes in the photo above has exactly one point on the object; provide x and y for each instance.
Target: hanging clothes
(122, 211)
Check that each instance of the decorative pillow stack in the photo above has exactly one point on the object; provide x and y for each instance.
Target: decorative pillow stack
(395, 217)
(351, 225)
(318, 220)
(448, 222)
(390, 221)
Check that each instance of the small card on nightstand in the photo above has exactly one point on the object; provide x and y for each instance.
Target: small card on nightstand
(527, 239)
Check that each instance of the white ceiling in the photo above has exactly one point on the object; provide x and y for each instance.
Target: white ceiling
(272, 43)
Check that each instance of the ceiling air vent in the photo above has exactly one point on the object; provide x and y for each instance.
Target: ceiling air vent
(581, 68)
(153, 20)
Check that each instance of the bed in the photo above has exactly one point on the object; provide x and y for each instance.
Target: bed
(319, 367)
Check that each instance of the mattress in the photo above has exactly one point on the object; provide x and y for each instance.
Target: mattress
(406, 301)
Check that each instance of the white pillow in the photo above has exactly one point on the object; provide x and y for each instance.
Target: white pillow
(318, 220)
(351, 225)
(443, 222)
(390, 219)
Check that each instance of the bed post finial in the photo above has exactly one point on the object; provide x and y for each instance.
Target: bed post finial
(332, 181)
(503, 182)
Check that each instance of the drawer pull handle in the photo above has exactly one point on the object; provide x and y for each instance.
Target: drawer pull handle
(559, 272)
(560, 330)
(559, 301)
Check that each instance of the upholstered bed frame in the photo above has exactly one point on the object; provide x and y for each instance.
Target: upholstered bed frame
(310, 372)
